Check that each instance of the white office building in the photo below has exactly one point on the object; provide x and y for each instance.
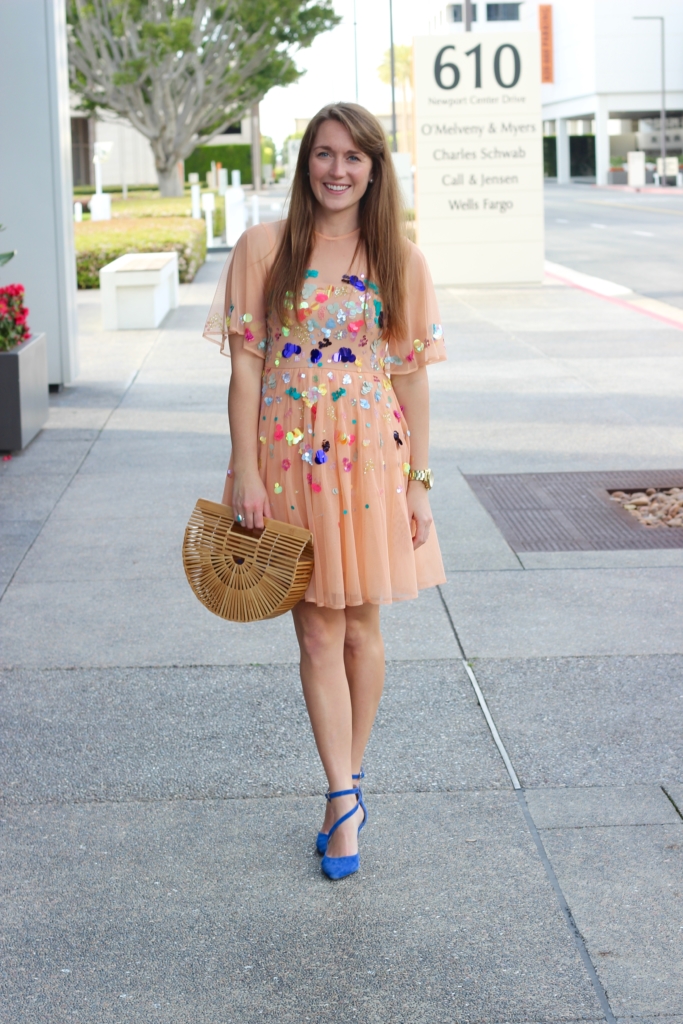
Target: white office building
(130, 160)
(606, 70)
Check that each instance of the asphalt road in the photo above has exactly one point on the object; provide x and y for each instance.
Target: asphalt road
(631, 238)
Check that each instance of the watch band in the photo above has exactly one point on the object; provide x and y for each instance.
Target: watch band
(423, 476)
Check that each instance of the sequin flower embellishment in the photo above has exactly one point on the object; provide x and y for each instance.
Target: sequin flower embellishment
(354, 281)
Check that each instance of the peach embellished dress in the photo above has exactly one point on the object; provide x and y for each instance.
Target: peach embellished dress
(334, 447)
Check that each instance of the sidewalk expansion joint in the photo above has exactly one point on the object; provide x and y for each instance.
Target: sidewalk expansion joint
(598, 988)
(673, 803)
(566, 912)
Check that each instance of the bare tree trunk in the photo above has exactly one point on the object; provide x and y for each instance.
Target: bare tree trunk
(256, 147)
(169, 181)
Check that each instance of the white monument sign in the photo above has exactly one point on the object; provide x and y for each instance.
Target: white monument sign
(479, 153)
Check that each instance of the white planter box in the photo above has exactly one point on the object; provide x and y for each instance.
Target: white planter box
(138, 290)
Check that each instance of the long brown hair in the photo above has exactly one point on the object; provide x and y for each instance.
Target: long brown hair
(381, 221)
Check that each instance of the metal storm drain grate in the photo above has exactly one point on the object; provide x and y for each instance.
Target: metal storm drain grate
(573, 511)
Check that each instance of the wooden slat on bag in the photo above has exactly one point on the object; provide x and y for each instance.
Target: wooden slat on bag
(241, 577)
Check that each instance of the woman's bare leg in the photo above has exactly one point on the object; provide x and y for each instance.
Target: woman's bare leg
(362, 669)
(321, 633)
(364, 662)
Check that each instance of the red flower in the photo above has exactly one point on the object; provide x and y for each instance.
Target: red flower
(13, 317)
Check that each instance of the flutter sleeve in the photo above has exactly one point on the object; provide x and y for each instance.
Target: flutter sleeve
(239, 306)
(424, 341)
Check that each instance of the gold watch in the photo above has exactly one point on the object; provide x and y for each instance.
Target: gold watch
(425, 476)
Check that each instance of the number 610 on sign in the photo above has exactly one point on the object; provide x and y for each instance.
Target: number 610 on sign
(447, 74)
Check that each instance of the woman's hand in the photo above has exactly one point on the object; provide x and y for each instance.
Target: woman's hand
(419, 511)
(250, 499)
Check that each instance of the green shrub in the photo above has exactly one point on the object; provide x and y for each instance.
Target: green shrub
(233, 158)
(100, 242)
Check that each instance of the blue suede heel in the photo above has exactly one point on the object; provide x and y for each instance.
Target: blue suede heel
(341, 867)
(321, 841)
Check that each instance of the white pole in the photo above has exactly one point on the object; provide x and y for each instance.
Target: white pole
(663, 111)
(124, 183)
(98, 175)
(562, 150)
(660, 19)
(255, 215)
(209, 228)
(394, 142)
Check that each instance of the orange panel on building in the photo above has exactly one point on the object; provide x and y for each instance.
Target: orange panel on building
(545, 23)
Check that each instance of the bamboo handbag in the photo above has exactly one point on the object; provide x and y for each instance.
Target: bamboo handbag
(240, 576)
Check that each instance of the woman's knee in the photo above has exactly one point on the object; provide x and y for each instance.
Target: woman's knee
(362, 630)
(319, 633)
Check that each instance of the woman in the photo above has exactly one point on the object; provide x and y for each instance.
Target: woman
(318, 311)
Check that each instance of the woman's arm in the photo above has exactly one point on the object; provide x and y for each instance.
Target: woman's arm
(412, 391)
(249, 497)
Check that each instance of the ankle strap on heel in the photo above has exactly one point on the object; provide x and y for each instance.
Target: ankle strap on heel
(342, 792)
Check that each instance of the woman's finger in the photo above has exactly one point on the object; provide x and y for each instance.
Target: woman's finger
(421, 532)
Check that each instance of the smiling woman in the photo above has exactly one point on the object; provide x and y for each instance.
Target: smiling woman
(331, 318)
(339, 176)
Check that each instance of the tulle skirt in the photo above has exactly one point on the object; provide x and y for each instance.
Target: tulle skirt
(334, 454)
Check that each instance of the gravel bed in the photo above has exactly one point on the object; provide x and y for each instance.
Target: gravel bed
(653, 507)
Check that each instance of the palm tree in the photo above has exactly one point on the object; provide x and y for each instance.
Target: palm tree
(403, 74)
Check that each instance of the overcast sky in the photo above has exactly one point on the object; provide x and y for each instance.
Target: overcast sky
(329, 64)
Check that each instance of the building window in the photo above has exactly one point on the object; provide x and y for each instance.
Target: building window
(458, 12)
(81, 150)
(502, 12)
(233, 129)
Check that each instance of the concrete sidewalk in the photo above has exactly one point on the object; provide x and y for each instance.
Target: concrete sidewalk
(160, 785)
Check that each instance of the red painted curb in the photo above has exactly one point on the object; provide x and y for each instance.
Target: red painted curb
(618, 302)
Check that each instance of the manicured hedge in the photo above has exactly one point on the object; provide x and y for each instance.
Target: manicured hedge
(233, 158)
(100, 242)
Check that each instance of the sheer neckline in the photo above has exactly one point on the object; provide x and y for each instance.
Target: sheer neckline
(336, 238)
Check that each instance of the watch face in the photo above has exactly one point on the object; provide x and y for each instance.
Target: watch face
(429, 477)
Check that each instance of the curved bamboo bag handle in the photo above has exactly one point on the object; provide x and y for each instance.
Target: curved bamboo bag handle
(242, 577)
